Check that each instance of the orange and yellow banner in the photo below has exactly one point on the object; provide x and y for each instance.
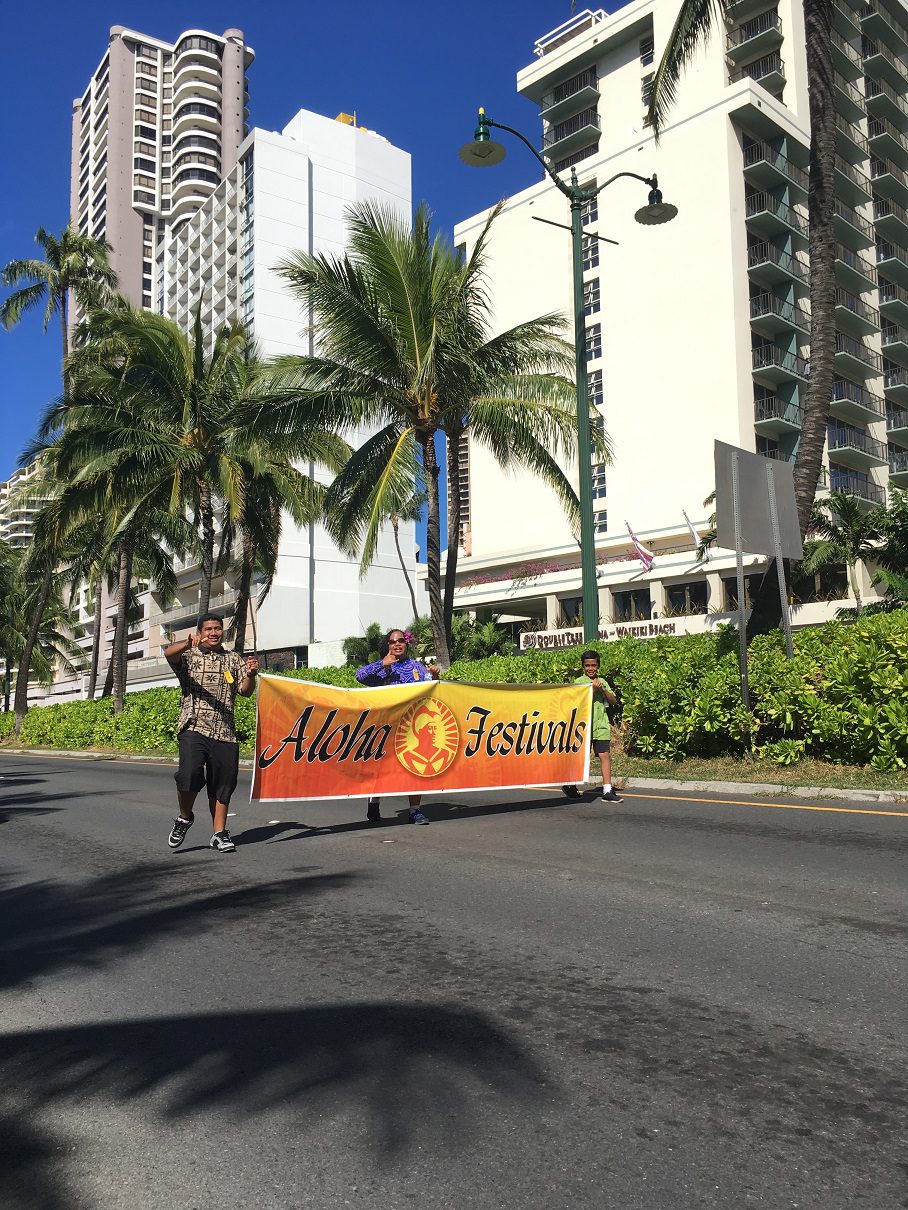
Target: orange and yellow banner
(316, 741)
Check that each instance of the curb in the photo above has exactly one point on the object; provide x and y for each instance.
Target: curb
(755, 787)
(628, 783)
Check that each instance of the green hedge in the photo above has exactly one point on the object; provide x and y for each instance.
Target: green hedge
(843, 698)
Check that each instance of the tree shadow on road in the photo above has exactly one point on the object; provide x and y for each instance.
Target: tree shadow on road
(49, 925)
(399, 1071)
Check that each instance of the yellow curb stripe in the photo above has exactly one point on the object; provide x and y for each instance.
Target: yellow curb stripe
(784, 806)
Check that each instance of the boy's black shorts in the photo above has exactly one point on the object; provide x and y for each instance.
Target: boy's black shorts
(601, 746)
(211, 762)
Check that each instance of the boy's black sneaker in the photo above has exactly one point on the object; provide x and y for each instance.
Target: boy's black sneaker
(571, 791)
(222, 842)
(178, 831)
(373, 812)
(612, 796)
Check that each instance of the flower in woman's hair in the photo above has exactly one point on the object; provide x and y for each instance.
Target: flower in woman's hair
(408, 636)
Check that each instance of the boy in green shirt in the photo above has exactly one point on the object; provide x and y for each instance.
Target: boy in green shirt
(600, 728)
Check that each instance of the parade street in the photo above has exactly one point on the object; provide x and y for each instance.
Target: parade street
(666, 1002)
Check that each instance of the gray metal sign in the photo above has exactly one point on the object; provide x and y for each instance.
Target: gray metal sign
(765, 487)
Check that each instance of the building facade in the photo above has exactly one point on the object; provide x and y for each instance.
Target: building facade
(289, 192)
(699, 329)
(154, 133)
(19, 506)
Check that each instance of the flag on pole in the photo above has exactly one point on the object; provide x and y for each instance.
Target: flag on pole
(696, 537)
(645, 555)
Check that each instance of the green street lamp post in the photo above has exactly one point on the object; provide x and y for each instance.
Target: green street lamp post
(484, 152)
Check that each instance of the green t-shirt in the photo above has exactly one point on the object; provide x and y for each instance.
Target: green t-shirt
(602, 728)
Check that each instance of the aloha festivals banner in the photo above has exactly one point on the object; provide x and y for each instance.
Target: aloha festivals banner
(316, 741)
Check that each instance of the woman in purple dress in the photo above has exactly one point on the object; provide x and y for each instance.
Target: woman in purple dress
(396, 667)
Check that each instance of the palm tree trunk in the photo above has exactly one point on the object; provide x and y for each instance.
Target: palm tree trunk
(395, 526)
(118, 655)
(766, 612)
(206, 514)
(453, 463)
(96, 639)
(7, 679)
(245, 589)
(65, 331)
(433, 548)
(855, 587)
(20, 704)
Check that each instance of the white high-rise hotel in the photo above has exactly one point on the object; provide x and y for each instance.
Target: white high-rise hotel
(699, 329)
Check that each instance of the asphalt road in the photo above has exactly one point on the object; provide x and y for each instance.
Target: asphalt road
(665, 1003)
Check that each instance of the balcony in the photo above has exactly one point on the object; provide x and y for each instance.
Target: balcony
(884, 101)
(891, 220)
(897, 423)
(773, 366)
(892, 260)
(579, 93)
(770, 266)
(850, 141)
(851, 228)
(755, 37)
(854, 316)
(851, 184)
(845, 21)
(564, 138)
(855, 358)
(887, 142)
(846, 56)
(854, 271)
(881, 63)
(889, 181)
(856, 485)
(771, 170)
(898, 466)
(775, 417)
(895, 342)
(849, 100)
(895, 384)
(878, 22)
(853, 447)
(186, 613)
(568, 30)
(894, 302)
(853, 402)
(767, 216)
(772, 316)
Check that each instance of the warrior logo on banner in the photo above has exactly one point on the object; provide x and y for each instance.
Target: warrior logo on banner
(427, 738)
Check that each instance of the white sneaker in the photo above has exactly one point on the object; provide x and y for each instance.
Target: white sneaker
(222, 842)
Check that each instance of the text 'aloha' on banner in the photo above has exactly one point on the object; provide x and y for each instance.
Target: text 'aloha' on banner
(317, 741)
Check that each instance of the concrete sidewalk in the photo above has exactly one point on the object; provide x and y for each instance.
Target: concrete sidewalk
(770, 789)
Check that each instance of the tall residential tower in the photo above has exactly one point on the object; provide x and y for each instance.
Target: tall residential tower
(700, 329)
(155, 132)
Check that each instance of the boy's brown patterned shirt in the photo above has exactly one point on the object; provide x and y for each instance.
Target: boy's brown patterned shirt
(210, 681)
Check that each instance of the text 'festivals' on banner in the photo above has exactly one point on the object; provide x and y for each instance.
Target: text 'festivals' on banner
(316, 741)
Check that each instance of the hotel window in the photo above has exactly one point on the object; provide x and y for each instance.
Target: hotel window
(688, 598)
(593, 341)
(633, 606)
(594, 386)
(647, 47)
(589, 211)
(646, 89)
(590, 252)
(600, 524)
(591, 301)
(598, 481)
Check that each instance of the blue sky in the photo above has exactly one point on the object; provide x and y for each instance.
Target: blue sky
(414, 73)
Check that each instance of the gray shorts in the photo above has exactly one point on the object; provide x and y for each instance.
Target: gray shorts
(601, 746)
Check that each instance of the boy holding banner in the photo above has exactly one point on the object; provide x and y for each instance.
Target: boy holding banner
(601, 729)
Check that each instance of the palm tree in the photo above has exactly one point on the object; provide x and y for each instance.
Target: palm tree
(74, 263)
(402, 325)
(846, 534)
(391, 501)
(691, 30)
(892, 557)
